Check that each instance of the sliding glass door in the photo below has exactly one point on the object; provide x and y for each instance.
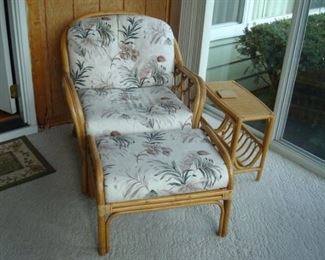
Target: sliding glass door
(305, 124)
(276, 49)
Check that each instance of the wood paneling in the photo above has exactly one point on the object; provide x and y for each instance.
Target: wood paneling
(82, 7)
(137, 6)
(174, 15)
(58, 14)
(111, 5)
(38, 47)
(158, 8)
(47, 19)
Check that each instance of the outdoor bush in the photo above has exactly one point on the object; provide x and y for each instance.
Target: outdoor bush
(265, 44)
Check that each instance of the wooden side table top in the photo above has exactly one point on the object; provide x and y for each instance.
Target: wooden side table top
(245, 106)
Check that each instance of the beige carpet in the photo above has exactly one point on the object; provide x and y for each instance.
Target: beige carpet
(281, 217)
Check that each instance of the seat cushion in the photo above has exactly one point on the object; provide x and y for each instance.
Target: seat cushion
(145, 165)
(121, 51)
(133, 110)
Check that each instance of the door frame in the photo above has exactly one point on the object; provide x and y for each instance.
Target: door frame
(194, 34)
(7, 102)
(23, 71)
(285, 91)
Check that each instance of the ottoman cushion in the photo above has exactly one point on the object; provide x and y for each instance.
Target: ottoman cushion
(150, 164)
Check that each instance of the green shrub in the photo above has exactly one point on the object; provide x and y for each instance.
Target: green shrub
(265, 44)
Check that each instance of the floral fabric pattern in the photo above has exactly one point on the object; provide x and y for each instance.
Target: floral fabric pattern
(150, 164)
(133, 110)
(121, 51)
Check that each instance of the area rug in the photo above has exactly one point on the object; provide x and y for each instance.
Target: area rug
(20, 162)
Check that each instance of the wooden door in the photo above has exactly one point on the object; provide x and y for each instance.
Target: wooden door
(47, 19)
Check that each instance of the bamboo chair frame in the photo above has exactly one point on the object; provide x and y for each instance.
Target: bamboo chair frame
(188, 84)
(107, 211)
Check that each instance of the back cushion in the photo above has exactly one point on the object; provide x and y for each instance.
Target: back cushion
(121, 51)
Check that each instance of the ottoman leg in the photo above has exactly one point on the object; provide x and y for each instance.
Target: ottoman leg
(224, 224)
(221, 220)
(259, 175)
(102, 236)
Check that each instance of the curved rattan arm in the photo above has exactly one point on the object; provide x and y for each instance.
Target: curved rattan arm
(75, 109)
(71, 94)
(64, 52)
(190, 88)
(221, 149)
(79, 124)
(178, 54)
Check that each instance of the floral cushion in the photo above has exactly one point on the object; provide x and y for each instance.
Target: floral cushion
(133, 110)
(121, 51)
(162, 163)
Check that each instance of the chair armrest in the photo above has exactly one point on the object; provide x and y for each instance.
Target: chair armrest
(217, 143)
(190, 88)
(74, 106)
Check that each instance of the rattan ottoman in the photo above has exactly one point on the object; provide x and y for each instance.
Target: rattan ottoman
(159, 170)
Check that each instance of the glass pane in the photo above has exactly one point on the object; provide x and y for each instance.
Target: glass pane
(317, 4)
(226, 11)
(305, 125)
(254, 59)
(271, 8)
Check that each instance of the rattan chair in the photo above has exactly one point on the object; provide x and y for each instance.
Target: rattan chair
(123, 73)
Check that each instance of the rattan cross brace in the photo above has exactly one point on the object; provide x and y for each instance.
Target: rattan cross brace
(247, 152)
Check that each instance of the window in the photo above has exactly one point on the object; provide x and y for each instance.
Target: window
(271, 8)
(230, 17)
(227, 61)
(231, 57)
(227, 11)
(317, 4)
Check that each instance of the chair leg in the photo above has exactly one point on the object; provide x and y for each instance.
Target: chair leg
(221, 220)
(74, 131)
(90, 181)
(84, 174)
(103, 246)
(225, 220)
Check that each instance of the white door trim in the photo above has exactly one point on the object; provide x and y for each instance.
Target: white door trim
(290, 66)
(27, 130)
(22, 64)
(191, 32)
(205, 45)
(7, 103)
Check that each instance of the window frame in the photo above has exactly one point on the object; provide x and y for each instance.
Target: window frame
(233, 29)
